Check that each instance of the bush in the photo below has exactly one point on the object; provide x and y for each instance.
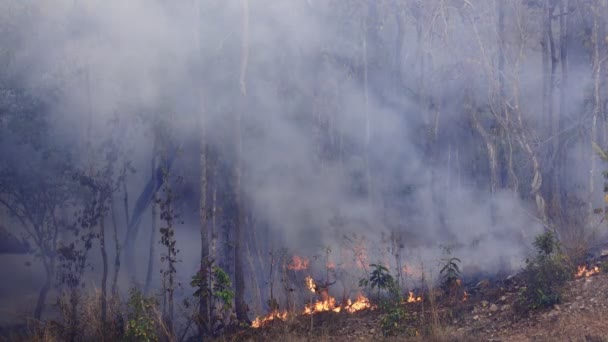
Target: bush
(141, 322)
(544, 275)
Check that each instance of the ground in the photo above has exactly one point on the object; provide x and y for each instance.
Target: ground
(486, 315)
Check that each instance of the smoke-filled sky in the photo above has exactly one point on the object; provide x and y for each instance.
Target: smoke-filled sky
(337, 101)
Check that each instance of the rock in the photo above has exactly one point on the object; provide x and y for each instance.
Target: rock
(484, 303)
(557, 307)
(476, 317)
(494, 308)
(505, 307)
(503, 299)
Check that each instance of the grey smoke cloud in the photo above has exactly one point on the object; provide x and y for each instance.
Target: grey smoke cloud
(136, 59)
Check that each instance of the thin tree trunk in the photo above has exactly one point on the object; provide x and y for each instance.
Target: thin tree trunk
(152, 251)
(104, 277)
(368, 176)
(239, 276)
(559, 166)
(490, 148)
(117, 250)
(597, 66)
(43, 293)
(555, 119)
(203, 308)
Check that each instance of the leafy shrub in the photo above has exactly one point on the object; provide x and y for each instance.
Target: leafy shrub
(450, 274)
(393, 320)
(381, 279)
(544, 275)
(141, 323)
(218, 289)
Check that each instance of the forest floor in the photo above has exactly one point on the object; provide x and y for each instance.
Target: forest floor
(486, 315)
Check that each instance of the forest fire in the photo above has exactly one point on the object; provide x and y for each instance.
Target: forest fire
(327, 304)
(584, 272)
(412, 298)
(275, 315)
(362, 303)
(298, 263)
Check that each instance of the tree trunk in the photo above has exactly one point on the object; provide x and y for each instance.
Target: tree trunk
(152, 252)
(104, 258)
(117, 250)
(203, 308)
(239, 276)
(44, 290)
(559, 167)
(597, 66)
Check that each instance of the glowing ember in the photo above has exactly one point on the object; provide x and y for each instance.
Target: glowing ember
(583, 271)
(260, 321)
(412, 298)
(465, 296)
(298, 263)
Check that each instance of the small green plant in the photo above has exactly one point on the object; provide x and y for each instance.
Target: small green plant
(218, 288)
(380, 278)
(392, 323)
(544, 275)
(450, 274)
(394, 317)
(141, 324)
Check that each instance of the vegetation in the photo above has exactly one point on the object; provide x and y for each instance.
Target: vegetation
(214, 133)
(544, 275)
(142, 317)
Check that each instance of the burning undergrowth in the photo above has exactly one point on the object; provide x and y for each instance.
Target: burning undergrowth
(316, 292)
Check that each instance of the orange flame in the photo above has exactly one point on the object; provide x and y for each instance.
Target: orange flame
(298, 263)
(584, 272)
(310, 284)
(361, 303)
(260, 321)
(328, 304)
(413, 299)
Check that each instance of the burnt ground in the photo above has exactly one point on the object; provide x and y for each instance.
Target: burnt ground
(487, 315)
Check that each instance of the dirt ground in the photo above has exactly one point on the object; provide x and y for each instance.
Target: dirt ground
(486, 315)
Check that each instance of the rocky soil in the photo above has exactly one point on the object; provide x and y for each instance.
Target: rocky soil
(487, 315)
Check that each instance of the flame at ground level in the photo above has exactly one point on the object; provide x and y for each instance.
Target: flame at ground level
(583, 271)
(258, 322)
(327, 305)
(412, 298)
